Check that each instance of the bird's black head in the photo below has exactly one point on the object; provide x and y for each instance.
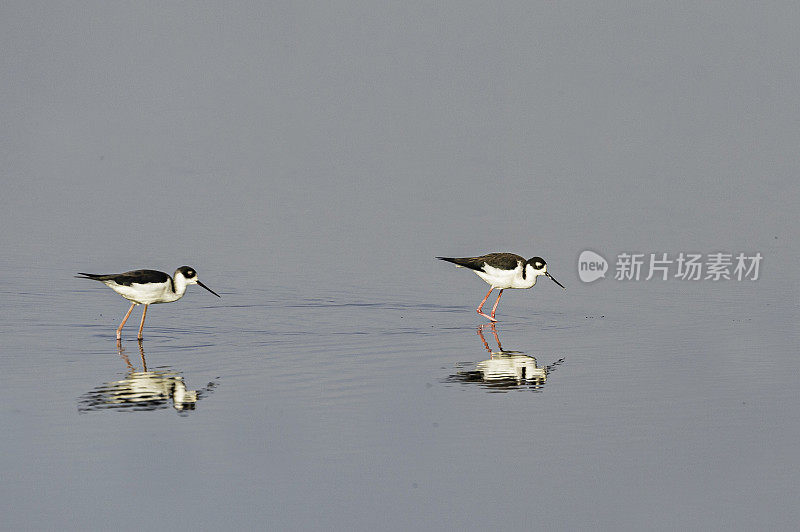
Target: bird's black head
(190, 275)
(540, 268)
(187, 271)
(538, 263)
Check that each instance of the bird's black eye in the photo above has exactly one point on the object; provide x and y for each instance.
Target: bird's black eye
(538, 265)
(190, 273)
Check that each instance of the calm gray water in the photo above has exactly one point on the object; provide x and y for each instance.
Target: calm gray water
(310, 162)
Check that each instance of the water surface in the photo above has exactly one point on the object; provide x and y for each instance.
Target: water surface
(310, 161)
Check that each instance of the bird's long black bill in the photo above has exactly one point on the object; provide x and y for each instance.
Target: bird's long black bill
(216, 294)
(554, 280)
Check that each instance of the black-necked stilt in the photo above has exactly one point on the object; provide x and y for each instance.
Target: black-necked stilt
(144, 287)
(503, 270)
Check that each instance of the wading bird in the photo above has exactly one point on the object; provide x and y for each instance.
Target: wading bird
(503, 270)
(144, 287)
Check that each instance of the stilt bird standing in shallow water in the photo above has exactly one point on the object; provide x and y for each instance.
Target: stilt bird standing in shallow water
(503, 270)
(144, 287)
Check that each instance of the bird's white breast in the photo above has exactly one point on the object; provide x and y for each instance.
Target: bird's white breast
(499, 278)
(145, 293)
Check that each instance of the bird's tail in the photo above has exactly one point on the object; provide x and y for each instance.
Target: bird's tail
(458, 262)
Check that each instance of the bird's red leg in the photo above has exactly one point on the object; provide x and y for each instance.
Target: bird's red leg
(494, 308)
(481, 306)
(121, 325)
(141, 326)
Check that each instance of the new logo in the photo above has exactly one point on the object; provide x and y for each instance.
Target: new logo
(591, 266)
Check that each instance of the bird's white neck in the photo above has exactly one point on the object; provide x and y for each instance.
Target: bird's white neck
(179, 285)
(530, 277)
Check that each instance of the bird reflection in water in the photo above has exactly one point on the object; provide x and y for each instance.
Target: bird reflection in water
(505, 369)
(144, 390)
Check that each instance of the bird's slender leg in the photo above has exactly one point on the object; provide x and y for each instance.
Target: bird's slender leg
(494, 308)
(481, 306)
(121, 325)
(141, 326)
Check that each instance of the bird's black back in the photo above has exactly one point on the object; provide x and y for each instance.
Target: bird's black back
(504, 261)
(128, 278)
